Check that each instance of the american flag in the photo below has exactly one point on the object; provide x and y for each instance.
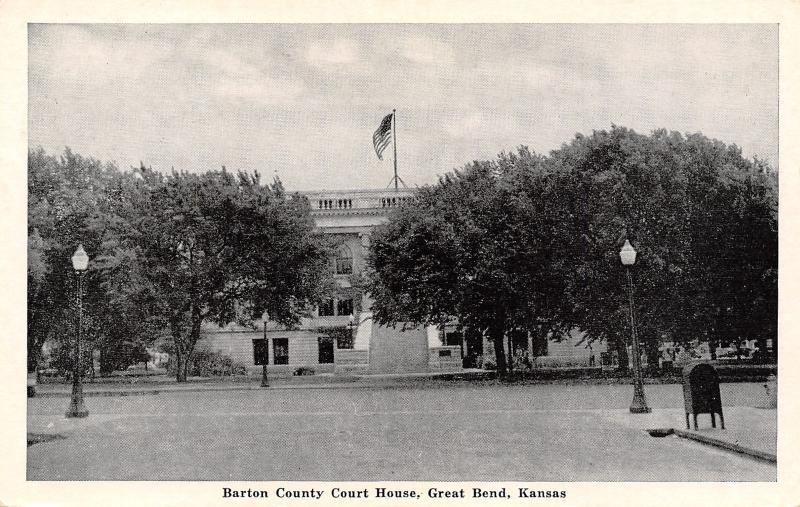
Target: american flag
(382, 136)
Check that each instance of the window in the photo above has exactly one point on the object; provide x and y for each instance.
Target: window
(453, 338)
(345, 340)
(326, 308)
(344, 260)
(260, 352)
(344, 307)
(325, 345)
(280, 350)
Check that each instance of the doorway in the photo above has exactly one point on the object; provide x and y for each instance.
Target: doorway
(325, 346)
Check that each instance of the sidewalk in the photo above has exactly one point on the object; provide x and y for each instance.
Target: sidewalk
(155, 385)
(502, 432)
(750, 431)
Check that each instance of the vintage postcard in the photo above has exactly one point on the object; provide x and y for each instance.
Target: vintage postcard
(354, 260)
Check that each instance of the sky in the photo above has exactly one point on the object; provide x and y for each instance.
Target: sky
(302, 101)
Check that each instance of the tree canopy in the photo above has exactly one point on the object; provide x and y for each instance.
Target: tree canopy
(220, 247)
(473, 248)
(528, 242)
(169, 252)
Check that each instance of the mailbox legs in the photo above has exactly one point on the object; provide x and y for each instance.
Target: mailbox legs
(701, 394)
(713, 421)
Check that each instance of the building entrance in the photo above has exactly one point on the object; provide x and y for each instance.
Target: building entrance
(325, 347)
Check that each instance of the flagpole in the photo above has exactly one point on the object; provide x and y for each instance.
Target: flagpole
(394, 145)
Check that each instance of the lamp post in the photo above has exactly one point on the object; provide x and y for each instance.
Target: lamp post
(265, 358)
(80, 261)
(639, 404)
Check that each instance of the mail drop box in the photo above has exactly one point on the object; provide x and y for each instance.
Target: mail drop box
(701, 393)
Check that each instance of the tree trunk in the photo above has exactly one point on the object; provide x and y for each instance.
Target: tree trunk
(510, 353)
(186, 363)
(530, 347)
(194, 335)
(539, 340)
(181, 365)
(764, 356)
(34, 357)
(622, 354)
(181, 359)
(496, 336)
(36, 339)
(652, 353)
(105, 364)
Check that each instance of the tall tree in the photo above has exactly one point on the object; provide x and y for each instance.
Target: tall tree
(220, 247)
(465, 249)
(703, 221)
(532, 243)
(63, 202)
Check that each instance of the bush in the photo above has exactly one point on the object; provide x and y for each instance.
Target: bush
(303, 370)
(210, 363)
(521, 361)
(59, 361)
(119, 356)
(239, 368)
(560, 362)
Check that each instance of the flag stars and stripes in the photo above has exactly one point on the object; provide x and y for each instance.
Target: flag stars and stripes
(383, 136)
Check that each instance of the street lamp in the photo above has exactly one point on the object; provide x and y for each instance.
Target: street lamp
(639, 404)
(80, 262)
(265, 358)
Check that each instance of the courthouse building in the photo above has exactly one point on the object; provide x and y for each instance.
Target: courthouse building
(340, 336)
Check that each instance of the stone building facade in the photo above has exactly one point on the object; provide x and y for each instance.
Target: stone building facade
(340, 336)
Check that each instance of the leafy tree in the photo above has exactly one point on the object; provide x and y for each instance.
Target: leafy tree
(735, 243)
(703, 221)
(63, 198)
(619, 185)
(167, 253)
(465, 249)
(71, 200)
(220, 247)
(531, 244)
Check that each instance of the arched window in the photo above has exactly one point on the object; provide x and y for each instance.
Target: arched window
(344, 260)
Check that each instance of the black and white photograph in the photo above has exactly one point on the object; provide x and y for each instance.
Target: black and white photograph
(449, 262)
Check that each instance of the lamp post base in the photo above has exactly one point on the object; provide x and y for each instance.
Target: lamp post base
(264, 381)
(639, 406)
(76, 409)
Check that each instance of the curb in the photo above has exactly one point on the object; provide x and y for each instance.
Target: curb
(88, 394)
(753, 453)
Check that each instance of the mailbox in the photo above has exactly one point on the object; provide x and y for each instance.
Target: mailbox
(701, 393)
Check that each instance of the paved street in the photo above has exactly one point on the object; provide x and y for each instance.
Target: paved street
(453, 432)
